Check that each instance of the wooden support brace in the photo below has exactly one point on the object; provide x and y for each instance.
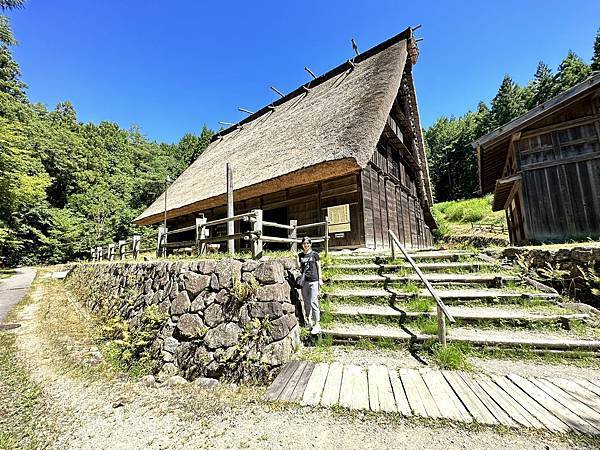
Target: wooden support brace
(161, 239)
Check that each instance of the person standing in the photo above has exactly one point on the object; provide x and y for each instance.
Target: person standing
(310, 265)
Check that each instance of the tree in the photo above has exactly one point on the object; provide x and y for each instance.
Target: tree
(10, 74)
(596, 56)
(542, 86)
(508, 103)
(6, 34)
(572, 70)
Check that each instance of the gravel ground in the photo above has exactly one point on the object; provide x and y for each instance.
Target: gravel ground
(94, 412)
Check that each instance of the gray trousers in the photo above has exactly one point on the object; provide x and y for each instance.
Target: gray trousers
(310, 295)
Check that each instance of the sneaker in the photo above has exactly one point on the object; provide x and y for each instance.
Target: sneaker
(316, 329)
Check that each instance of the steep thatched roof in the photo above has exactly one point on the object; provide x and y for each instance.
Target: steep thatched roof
(325, 128)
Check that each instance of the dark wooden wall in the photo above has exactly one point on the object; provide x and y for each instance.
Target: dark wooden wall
(390, 201)
(560, 166)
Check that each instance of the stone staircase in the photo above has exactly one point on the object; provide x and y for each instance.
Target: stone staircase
(370, 296)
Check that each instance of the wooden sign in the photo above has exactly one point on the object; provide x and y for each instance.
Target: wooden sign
(339, 218)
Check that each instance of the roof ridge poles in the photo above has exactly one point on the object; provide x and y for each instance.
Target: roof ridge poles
(355, 47)
(277, 91)
(310, 72)
(247, 111)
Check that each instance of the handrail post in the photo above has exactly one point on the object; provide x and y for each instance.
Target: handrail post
(135, 246)
(293, 234)
(200, 234)
(161, 240)
(122, 252)
(111, 252)
(257, 232)
(441, 321)
(392, 247)
(326, 235)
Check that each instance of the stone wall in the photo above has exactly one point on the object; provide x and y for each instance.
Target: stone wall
(571, 260)
(210, 318)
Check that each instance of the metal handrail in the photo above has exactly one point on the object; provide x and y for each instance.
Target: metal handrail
(442, 309)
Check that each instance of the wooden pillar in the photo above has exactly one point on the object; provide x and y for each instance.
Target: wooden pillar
(93, 254)
(122, 249)
(99, 253)
(200, 234)
(111, 252)
(326, 235)
(293, 234)
(161, 240)
(257, 229)
(135, 246)
(230, 212)
(441, 319)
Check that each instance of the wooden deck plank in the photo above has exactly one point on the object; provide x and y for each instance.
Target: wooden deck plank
(425, 405)
(274, 391)
(579, 392)
(588, 385)
(298, 392)
(399, 394)
(315, 385)
(572, 420)
(586, 413)
(381, 394)
(354, 391)
(448, 404)
(474, 405)
(508, 403)
(331, 391)
(287, 392)
(499, 414)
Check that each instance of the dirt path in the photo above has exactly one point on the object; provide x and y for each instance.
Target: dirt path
(90, 410)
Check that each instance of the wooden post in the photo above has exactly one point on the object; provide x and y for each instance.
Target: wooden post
(393, 248)
(122, 251)
(326, 235)
(257, 229)
(93, 254)
(111, 252)
(200, 234)
(99, 253)
(293, 234)
(230, 213)
(135, 246)
(161, 240)
(441, 320)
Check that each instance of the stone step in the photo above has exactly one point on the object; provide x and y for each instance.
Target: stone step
(370, 295)
(440, 254)
(488, 279)
(514, 338)
(465, 314)
(426, 267)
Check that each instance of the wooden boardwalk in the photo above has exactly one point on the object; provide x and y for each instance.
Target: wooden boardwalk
(554, 404)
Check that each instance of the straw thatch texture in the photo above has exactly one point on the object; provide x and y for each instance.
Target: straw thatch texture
(340, 119)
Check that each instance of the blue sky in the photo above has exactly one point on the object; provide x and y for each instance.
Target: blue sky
(171, 67)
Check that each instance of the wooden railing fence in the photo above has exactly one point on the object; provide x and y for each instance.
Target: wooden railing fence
(442, 311)
(202, 239)
(491, 227)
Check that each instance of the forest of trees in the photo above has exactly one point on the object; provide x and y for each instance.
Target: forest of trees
(452, 161)
(65, 185)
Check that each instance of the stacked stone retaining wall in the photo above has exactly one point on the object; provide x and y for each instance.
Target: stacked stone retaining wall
(211, 318)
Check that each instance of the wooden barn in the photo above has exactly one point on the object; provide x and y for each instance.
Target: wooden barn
(349, 138)
(544, 167)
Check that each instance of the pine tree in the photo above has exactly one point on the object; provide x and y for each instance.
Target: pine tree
(596, 56)
(542, 86)
(10, 74)
(572, 70)
(508, 102)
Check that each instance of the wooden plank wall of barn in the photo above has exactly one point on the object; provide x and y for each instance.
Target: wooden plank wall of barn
(560, 164)
(390, 202)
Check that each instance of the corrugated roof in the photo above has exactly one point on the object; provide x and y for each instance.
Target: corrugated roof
(337, 117)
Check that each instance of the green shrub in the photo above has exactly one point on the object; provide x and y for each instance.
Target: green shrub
(450, 357)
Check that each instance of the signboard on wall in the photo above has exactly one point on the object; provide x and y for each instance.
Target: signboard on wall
(339, 218)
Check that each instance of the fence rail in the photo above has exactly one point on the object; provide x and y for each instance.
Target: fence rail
(491, 227)
(442, 311)
(255, 236)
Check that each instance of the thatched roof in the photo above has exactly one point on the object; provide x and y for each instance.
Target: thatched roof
(325, 128)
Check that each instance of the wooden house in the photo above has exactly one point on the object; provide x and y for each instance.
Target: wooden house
(351, 137)
(544, 167)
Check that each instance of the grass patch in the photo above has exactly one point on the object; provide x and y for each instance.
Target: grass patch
(420, 304)
(427, 325)
(451, 357)
(7, 273)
